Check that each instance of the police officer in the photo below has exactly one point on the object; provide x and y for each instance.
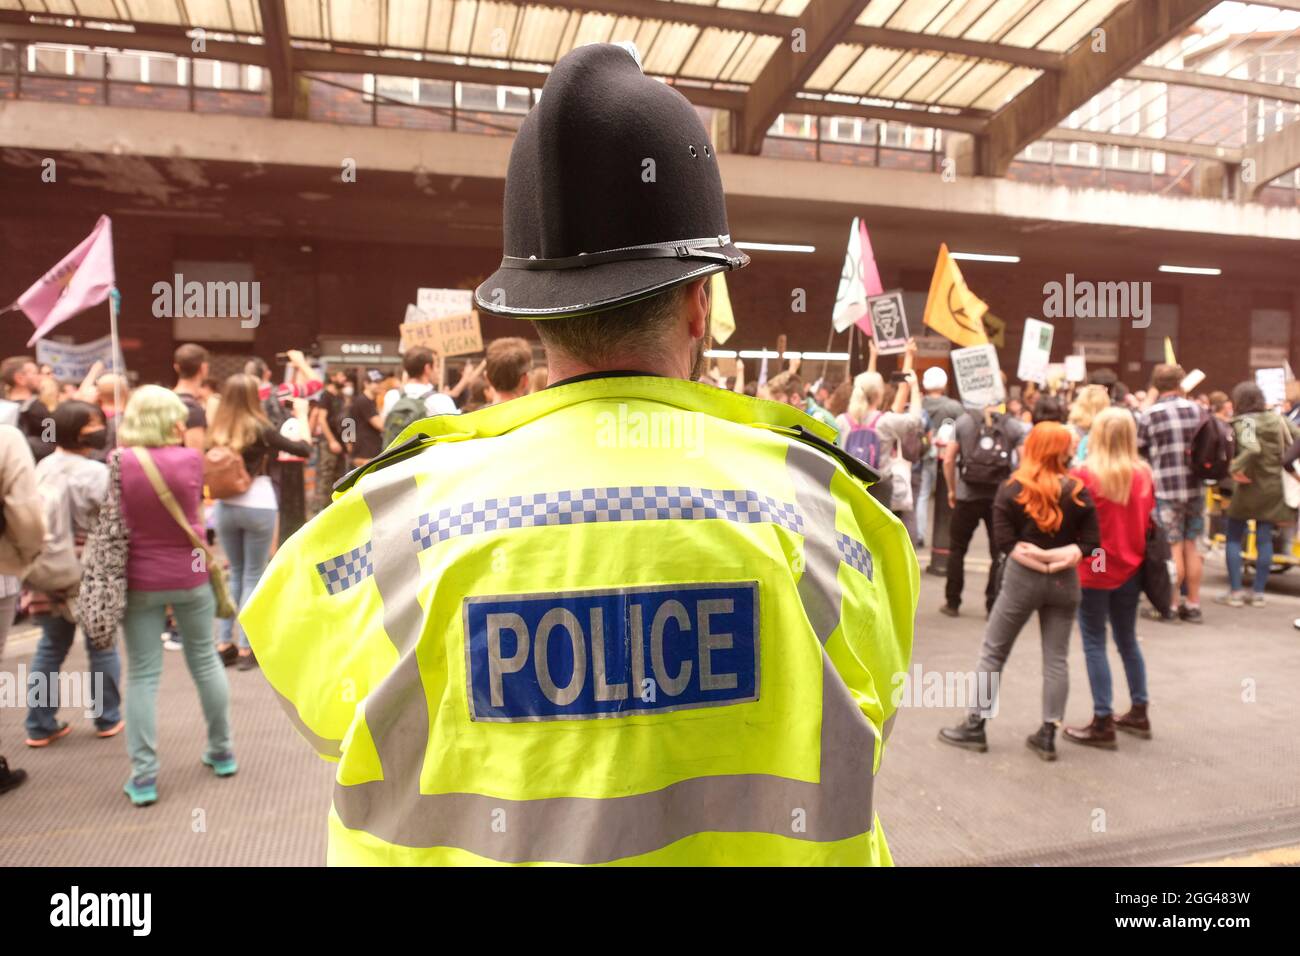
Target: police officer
(629, 618)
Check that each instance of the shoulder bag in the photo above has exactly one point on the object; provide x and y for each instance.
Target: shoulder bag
(216, 573)
(102, 599)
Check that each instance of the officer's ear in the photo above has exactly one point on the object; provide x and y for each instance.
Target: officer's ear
(698, 306)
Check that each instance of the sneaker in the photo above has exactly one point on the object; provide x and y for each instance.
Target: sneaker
(171, 641)
(1232, 599)
(247, 661)
(1257, 599)
(63, 731)
(1164, 617)
(222, 764)
(1192, 615)
(111, 731)
(9, 779)
(947, 610)
(142, 790)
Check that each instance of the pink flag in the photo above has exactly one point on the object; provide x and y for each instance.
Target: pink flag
(870, 276)
(82, 280)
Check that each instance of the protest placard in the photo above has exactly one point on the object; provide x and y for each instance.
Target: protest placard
(979, 378)
(1272, 382)
(71, 363)
(1076, 368)
(440, 303)
(446, 335)
(1035, 351)
(888, 322)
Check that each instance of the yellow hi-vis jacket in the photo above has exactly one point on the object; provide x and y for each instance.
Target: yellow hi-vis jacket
(622, 620)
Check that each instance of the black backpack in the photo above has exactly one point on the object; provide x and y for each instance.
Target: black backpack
(989, 461)
(1212, 449)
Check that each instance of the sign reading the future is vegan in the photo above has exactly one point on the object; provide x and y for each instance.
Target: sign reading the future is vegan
(449, 335)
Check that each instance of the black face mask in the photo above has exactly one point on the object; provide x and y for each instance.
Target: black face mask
(97, 440)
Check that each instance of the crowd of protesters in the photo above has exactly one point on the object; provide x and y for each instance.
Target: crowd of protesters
(188, 489)
(1084, 493)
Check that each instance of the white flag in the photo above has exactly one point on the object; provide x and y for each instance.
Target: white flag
(851, 297)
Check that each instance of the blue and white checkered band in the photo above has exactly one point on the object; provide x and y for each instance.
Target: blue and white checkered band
(586, 505)
(854, 553)
(341, 572)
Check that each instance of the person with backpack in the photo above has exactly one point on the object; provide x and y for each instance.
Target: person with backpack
(419, 398)
(161, 572)
(1263, 438)
(1166, 429)
(242, 443)
(1123, 492)
(858, 434)
(975, 464)
(902, 429)
(74, 486)
(942, 413)
(1044, 524)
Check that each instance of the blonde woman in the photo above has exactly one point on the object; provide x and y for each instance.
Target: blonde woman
(161, 572)
(1090, 403)
(1123, 489)
(246, 522)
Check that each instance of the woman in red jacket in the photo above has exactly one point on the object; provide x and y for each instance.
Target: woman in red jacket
(1122, 488)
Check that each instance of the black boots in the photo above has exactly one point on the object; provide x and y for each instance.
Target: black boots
(1043, 742)
(969, 735)
(10, 778)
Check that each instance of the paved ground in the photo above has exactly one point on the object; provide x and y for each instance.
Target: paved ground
(1220, 779)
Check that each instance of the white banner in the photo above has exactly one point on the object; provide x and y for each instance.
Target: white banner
(1272, 382)
(437, 303)
(71, 363)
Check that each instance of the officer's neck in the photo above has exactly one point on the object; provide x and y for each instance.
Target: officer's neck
(560, 368)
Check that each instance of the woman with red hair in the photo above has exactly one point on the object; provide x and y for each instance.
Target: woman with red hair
(1045, 522)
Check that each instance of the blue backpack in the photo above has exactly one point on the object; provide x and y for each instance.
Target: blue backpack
(863, 443)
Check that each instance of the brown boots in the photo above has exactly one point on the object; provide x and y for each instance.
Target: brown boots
(1101, 732)
(1135, 722)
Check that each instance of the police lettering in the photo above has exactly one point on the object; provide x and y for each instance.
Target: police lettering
(534, 657)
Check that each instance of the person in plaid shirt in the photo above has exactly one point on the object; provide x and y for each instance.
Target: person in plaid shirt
(1165, 432)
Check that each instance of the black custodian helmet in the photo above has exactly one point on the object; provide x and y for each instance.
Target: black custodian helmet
(612, 194)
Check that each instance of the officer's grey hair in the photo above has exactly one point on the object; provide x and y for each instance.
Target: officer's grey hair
(602, 340)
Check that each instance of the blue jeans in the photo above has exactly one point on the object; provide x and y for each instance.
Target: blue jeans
(145, 613)
(929, 475)
(1263, 544)
(245, 535)
(1120, 606)
(51, 651)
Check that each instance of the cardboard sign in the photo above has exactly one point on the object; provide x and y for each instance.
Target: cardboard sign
(1272, 382)
(888, 322)
(979, 378)
(440, 303)
(1035, 351)
(1076, 368)
(72, 363)
(447, 335)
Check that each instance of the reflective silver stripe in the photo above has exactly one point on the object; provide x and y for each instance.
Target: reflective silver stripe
(819, 585)
(587, 830)
(575, 829)
(323, 745)
(889, 726)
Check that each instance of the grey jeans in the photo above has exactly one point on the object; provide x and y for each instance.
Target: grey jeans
(1056, 599)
